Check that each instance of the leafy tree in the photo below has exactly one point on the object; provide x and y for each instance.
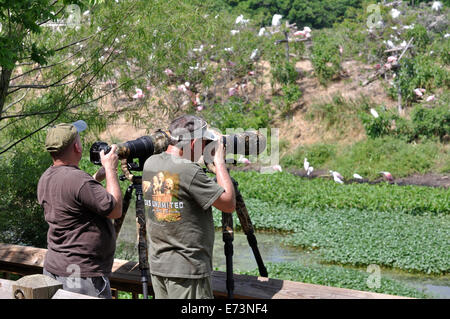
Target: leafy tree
(60, 59)
(318, 14)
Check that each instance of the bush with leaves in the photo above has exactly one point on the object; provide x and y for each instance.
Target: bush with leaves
(325, 58)
(237, 114)
(431, 122)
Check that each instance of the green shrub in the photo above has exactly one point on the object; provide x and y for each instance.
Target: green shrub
(317, 154)
(291, 95)
(421, 71)
(429, 122)
(325, 58)
(420, 35)
(376, 126)
(283, 72)
(237, 114)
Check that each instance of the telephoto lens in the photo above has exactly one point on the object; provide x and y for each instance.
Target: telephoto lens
(140, 148)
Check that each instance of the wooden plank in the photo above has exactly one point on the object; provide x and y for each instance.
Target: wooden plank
(6, 289)
(64, 294)
(126, 277)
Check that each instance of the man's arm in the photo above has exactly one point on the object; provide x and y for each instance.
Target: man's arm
(109, 162)
(227, 201)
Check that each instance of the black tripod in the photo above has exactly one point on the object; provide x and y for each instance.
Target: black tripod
(228, 237)
(141, 224)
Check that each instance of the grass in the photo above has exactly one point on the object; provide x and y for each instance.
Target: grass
(369, 157)
(286, 189)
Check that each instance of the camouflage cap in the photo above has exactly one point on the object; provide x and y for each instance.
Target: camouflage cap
(188, 127)
(60, 136)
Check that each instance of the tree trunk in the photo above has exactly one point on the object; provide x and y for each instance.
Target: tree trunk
(5, 77)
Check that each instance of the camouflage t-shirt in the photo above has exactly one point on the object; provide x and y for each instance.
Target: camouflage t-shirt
(178, 198)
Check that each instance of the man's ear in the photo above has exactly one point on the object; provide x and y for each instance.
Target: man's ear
(77, 147)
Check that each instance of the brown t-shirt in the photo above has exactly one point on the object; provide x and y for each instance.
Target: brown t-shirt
(75, 208)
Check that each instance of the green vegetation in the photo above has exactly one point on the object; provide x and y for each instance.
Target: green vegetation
(317, 14)
(325, 58)
(400, 227)
(287, 189)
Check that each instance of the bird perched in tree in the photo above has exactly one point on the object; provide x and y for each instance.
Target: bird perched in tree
(337, 177)
(387, 176)
(436, 6)
(276, 20)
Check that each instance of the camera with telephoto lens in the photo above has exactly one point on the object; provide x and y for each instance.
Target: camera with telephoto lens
(245, 143)
(140, 149)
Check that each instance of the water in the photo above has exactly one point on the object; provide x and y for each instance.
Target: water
(273, 251)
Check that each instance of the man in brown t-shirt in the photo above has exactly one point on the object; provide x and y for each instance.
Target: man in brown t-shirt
(78, 209)
(179, 197)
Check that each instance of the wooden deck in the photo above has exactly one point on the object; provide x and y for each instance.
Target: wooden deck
(125, 276)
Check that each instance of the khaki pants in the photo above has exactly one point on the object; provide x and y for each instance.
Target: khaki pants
(181, 288)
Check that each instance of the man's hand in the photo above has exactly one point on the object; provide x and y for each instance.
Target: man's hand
(219, 153)
(110, 160)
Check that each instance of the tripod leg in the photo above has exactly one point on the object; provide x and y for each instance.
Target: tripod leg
(247, 226)
(125, 204)
(227, 236)
(142, 241)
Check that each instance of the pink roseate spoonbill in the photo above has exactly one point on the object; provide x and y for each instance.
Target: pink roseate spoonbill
(431, 98)
(232, 91)
(169, 72)
(300, 34)
(392, 59)
(419, 92)
(277, 168)
(387, 176)
(377, 66)
(199, 108)
(337, 177)
(139, 94)
(244, 160)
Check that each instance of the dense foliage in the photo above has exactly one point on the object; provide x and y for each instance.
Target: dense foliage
(317, 14)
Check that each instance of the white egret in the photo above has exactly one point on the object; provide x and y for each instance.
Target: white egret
(276, 20)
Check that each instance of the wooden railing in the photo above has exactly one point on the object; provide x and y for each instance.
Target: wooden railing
(24, 260)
